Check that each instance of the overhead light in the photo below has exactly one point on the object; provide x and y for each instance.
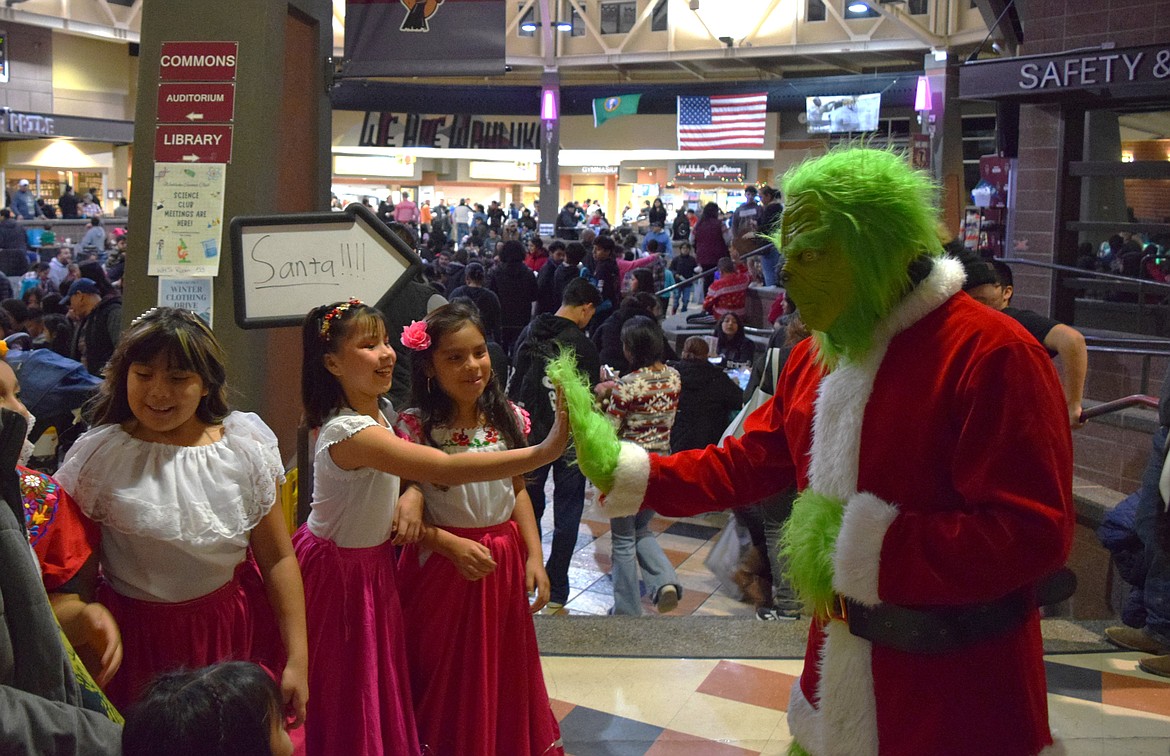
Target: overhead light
(548, 105)
(923, 100)
(528, 27)
(857, 7)
(694, 5)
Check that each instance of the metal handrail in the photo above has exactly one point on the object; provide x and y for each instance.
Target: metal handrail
(1116, 405)
(688, 281)
(1084, 273)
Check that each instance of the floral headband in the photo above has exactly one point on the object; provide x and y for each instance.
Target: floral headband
(335, 313)
(415, 336)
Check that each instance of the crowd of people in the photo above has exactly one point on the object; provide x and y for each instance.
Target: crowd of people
(397, 619)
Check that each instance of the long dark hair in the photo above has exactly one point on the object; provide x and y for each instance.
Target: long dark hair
(433, 405)
(722, 339)
(188, 344)
(642, 341)
(321, 392)
(223, 710)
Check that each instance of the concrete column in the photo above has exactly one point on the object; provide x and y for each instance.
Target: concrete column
(550, 151)
(280, 163)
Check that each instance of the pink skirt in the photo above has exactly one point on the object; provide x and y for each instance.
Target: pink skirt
(474, 664)
(233, 622)
(359, 687)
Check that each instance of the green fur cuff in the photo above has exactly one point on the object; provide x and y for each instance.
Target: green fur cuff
(808, 542)
(593, 434)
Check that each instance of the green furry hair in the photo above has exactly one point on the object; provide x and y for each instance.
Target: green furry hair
(593, 434)
(794, 749)
(883, 213)
(808, 541)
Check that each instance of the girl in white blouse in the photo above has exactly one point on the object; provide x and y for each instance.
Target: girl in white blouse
(183, 488)
(474, 663)
(360, 695)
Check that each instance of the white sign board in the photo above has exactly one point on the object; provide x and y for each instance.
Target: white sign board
(285, 265)
(186, 221)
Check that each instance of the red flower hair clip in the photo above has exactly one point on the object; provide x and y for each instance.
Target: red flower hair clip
(415, 336)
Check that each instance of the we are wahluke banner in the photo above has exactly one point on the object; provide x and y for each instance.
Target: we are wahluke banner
(424, 37)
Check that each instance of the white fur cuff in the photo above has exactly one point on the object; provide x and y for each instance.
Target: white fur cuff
(629, 482)
(859, 547)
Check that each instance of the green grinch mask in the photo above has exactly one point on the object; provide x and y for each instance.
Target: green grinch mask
(816, 272)
(856, 219)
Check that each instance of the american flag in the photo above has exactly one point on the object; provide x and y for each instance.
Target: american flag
(721, 121)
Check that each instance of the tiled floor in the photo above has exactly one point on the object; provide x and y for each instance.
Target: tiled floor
(1100, 704)
(686, 542)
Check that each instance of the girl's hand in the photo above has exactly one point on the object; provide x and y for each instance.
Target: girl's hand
(98, 642)
(472, 559)
(604, 389)
(553, 445)
(536, 580)
(408, 517)
(294, 689)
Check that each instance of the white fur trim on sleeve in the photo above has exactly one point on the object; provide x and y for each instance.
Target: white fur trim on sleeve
(629, 482)
(859, 547)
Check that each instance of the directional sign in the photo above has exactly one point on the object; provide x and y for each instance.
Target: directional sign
(285, 265)
(193, 144)
(198, 61)
(196, 103)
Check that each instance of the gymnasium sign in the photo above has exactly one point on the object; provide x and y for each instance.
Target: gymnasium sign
(380, 129)
(1114, 72)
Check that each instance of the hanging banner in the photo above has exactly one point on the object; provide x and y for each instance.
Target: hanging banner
(424, 37)
(450, 131)
(186, 222)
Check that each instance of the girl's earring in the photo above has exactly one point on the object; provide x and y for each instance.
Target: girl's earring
(428, 384)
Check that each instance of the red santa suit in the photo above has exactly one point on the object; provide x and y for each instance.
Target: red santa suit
(949, 444)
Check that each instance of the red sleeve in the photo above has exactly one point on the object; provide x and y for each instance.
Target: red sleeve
(739, 473)
(62, 536)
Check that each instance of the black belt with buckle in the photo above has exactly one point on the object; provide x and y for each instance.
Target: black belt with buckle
(946, 629)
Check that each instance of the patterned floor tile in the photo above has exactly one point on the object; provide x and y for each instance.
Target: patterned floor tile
(750, 685)
(1076, 682)
(671, 743)
(587, 732)
(1136, 693)
(692, 530)
(590, 602)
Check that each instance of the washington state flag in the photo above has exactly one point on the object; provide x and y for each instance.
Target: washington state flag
(605, 108)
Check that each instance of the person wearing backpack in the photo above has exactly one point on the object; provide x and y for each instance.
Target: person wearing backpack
(532, 390)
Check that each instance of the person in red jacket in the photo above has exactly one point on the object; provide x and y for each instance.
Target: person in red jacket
(928, 440)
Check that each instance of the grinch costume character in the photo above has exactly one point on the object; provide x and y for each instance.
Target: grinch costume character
(928, 437)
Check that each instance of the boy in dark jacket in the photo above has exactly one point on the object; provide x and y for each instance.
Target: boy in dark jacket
(531, 389)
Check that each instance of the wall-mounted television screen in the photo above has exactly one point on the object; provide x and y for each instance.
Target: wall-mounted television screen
(842, 113)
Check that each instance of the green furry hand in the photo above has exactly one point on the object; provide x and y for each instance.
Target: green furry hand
(808, 542)
(593, 434)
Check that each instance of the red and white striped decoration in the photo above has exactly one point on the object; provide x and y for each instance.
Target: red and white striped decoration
(720, 122)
